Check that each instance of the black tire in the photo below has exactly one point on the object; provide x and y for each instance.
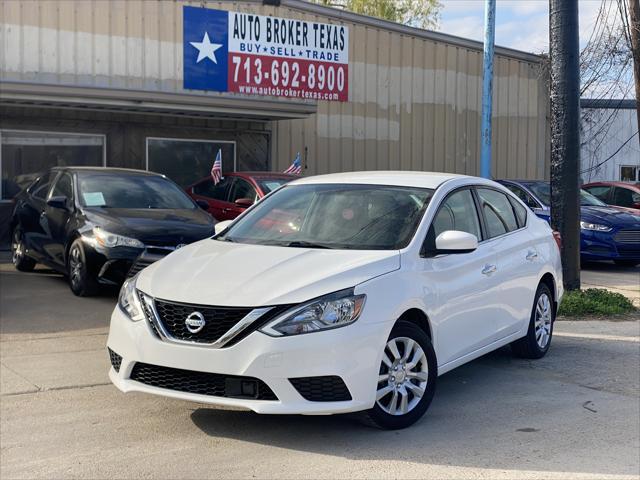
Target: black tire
(540, 327)
(626, 263)
(378, 416)
(81, 282)
(19, 256)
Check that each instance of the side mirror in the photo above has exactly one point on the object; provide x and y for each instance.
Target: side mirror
(58, 202)
(203, 204)
(221, 226)
(455, 241)
(244, 202)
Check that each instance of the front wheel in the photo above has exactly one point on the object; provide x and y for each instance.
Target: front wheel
(81, 282)
(406, 378)
(538, 339)
(19, 256)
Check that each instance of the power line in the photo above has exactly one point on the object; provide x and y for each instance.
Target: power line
(610, 156)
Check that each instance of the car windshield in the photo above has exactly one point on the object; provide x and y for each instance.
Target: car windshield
(542, 190)
(122, 190)
(267, 185)
(363, 217)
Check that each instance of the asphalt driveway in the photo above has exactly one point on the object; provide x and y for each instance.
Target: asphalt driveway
(573, 414)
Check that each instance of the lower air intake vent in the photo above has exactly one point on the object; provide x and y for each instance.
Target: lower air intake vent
(116, 360)
(202, 383)
(322, 389)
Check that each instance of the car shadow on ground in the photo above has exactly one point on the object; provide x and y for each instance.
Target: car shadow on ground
(41, 302)
(464, 425)
(608, 267)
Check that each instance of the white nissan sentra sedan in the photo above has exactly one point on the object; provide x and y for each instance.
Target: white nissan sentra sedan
(342, 293)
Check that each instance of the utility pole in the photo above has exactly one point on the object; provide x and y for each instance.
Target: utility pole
(487, 88)
(565, 134)
(634, 13)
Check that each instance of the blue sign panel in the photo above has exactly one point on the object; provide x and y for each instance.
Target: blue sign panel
(206, 49)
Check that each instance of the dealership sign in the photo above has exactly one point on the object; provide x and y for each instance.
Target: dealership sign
(259, 55)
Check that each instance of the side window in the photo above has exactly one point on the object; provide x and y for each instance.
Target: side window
(458, 212)
(521, 212)
(601, 192)
(217, 192)
(40, 189)
(242, 189)
(623, 197)
(522, 195)
(63, 187)
(497, 211)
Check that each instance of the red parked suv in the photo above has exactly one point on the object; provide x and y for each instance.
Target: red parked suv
(236, 191)
(619, 194)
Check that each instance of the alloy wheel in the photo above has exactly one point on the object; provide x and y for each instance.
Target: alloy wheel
(17, 248)
(543, 320)
(403, 375)
(75, 266)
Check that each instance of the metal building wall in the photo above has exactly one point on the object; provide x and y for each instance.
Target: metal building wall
(414, 95)
(609, 139)
(415, 103)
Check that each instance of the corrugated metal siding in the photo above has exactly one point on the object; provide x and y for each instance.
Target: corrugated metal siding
(604, 132)
(414, 102)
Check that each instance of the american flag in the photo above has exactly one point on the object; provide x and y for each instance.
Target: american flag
(216, 170)
(296, 166)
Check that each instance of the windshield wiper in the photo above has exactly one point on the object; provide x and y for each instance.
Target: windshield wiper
(303, 244)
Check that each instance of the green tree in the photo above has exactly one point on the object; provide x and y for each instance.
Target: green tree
(416, 13)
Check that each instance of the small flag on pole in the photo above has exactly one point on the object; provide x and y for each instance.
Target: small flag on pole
(296, 166)
(216, 170)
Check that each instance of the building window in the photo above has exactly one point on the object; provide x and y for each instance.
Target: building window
(629, 173)
(186, 161)
(25, 154)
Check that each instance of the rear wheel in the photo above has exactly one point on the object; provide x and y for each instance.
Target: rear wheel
(406, 378)
(538, 339)
(81, 282)
(19, 252)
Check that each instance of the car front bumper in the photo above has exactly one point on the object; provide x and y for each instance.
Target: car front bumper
(603, 246)
(351, 353)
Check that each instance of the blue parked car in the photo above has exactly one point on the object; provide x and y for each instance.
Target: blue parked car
(606, 233)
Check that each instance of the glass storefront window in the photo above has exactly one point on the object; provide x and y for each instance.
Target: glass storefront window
(186, 161)
(25, 154)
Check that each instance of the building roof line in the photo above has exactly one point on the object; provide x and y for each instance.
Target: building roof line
(347, 16)
(610, 103)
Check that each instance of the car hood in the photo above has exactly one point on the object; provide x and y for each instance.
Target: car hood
(212, 272)
(610, 216)
(154, 226)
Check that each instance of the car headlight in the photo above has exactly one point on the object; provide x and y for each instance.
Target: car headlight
(596, 227)
(331, 311)
(108, 239)
(129, 301)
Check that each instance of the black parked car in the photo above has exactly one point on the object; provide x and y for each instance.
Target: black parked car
(100, 225)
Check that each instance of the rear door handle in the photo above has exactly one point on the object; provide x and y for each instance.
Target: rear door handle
(531, 255)
(489, 269)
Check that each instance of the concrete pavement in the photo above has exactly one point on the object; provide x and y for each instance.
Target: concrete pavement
(624, 280)
(573, 414)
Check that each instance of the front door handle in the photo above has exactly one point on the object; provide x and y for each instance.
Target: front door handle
(489, 269)
(531, 255)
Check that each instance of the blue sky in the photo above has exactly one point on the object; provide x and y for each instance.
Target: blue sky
(520, 24)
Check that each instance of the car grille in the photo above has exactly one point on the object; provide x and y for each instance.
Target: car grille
(138, 266)
(116, 360)
(218, 320)
(202, 383)
(628, 236)
(322, 389)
